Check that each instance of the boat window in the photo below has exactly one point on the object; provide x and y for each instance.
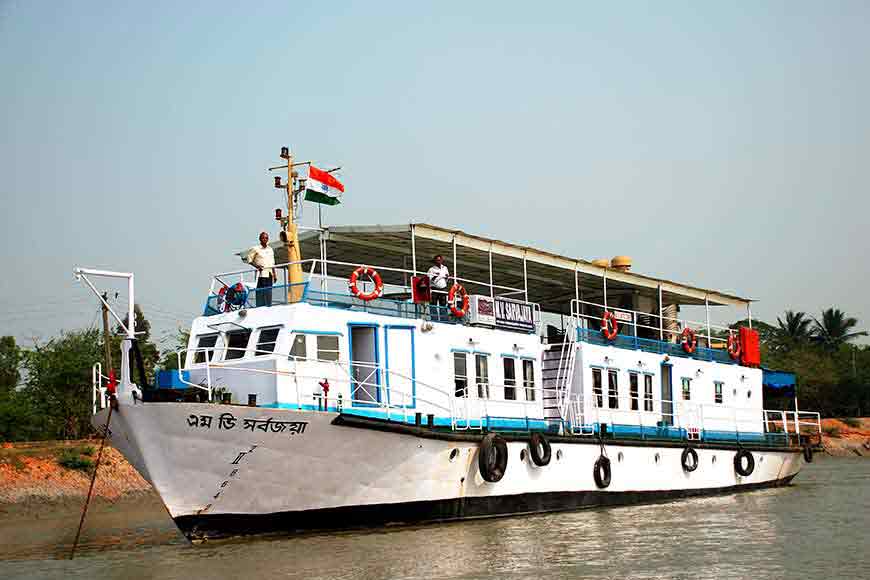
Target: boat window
(237, 342)
(460, 374)
(613, 389)
(717, 391)
(647, 393)
(510, 379)
(529, 379)
(266, 341)
(327, 347)
(297, 349)
(596, 388)
(687, 388)
(481, 366)
(633, 391)
(205, 341)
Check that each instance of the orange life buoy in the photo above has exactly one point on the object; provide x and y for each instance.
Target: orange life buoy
(733, 347)
(609, 326)
(690, 341)
(371, 273)
(451, 300)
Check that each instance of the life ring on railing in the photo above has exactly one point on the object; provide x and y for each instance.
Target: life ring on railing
(690, 341)
(601, 472)
(540, 449)
(231, 297)
(609, 326)
(746, 470)
(371, 273)
(492, 457)
(733, 346)
(451, 300)
(689, 466)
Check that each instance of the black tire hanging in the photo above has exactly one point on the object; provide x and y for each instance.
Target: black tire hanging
(684, 459)
(601, 472)
(492, 457)
(540, 449)
(808, 453)
(738, 463)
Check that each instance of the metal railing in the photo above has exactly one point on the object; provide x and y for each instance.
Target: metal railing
(98, 391)
(651, 332)
(464, 409)
(316, 291)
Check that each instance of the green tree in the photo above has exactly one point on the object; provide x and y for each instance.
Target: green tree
(59, 382)
(835, 328)
(796, 327)
(18, 421)
(169, 360)
(10, 364)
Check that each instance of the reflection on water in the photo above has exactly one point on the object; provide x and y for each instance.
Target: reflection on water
(814, 528)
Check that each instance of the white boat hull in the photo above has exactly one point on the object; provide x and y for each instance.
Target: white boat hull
(280, 470)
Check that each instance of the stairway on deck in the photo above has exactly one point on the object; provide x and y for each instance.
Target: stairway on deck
(550, 365)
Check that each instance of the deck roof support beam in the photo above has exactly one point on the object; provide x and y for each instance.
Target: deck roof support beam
(413, 250)
(661, 316)
(525, 279)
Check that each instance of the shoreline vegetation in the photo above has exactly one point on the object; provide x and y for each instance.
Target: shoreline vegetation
(36, 477)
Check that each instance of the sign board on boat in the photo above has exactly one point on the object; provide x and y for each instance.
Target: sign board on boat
(622, 316)
(501, 313)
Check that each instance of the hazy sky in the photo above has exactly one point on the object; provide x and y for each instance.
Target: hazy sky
(726, 146)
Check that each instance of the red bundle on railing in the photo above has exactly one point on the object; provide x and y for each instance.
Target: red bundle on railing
(750, 347)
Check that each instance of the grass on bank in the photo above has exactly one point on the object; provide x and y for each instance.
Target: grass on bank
(76, 458)
(831, 431)
(71, 455)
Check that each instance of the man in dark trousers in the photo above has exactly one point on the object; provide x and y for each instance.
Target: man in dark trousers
(438, 275)
(262, 257)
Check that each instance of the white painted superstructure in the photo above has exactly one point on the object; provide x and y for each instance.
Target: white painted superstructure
(315, 408)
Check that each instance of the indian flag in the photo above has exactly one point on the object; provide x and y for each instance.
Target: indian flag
(322, 187)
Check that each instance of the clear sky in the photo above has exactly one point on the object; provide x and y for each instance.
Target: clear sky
(726, 145)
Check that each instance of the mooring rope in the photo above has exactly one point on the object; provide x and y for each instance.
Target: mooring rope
(93, 479)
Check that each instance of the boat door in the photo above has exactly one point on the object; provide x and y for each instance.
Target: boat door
(667, 395)
(365, 374)
(399, 366)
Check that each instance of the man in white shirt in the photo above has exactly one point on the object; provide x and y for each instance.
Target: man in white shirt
(262, 257)
(438, 275)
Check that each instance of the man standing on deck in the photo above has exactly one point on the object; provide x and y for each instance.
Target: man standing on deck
(438, 275)
(262, 257)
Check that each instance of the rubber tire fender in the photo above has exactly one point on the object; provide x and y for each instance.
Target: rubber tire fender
(808, 454)
(738, 463)
(601, 472)
(689, 467)
(540, 450)
(492, 458)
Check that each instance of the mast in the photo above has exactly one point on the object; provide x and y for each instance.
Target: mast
(294, 255)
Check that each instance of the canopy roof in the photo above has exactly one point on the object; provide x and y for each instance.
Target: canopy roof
(550, 277)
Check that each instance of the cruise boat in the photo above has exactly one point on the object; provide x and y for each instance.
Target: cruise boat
(349, 394)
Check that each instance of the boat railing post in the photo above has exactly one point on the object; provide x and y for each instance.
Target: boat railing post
(208, 374)
(634, 326)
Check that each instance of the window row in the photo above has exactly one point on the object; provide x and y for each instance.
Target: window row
(235, 344)
(512, 391)
(613, 389)
(634, 395)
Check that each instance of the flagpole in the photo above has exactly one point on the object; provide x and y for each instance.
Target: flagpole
(294, 256)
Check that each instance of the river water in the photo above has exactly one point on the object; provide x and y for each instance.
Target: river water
(819, 527)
